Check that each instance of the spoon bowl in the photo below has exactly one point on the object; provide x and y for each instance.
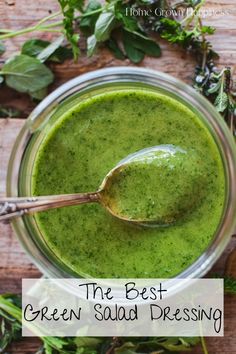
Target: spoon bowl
(155, 186)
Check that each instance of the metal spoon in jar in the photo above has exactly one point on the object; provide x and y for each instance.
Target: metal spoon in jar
(140, 189)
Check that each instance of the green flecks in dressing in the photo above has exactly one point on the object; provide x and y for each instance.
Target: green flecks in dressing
(160, 185)
(83, 146)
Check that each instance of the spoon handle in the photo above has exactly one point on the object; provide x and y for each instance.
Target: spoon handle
(13, 207)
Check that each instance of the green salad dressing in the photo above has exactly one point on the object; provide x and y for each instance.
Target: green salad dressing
(161, 186)
(87, 142)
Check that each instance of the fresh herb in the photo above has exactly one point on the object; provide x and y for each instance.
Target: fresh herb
(10, 327)
(10, 319)
(130, 29)
(230, 285)
(34, 48)
(68, 8)
(26, 74)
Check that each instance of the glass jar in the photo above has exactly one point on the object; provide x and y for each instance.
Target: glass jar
(52, 107)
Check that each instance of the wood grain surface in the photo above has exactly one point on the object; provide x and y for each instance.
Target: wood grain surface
(15, 14)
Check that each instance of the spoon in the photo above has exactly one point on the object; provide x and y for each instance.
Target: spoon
(111, 190)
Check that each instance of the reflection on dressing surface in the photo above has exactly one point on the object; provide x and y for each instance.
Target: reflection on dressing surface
(156, 185)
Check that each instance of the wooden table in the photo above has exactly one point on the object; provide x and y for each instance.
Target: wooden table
(14, 263)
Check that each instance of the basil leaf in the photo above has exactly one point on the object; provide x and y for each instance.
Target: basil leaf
(115, 49)
(147, 45)
(134, 54)
(34, 47)
(50, 49)
(40, 94)
(104, 25)
(91, 45)
(26, 74)
(87, 23)
(2, 48)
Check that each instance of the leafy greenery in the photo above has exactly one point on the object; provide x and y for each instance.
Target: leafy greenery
(46, 51)
(10, 327)
(26, 74)
(230, 285)
(130, 29)
(10, 320)
(68, 8)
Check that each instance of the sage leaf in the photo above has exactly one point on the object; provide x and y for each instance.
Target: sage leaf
(50, 49)
(104, 25)
(91, 45)
(26, 74)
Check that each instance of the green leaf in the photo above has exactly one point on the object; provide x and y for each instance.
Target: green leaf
(104, 25)
(147, 45)
(2, 48)
(134, 54)
(87, 23)
(88, 342)
(128, 22)
(137, 46)
(50, 49)
(26, 74)
(40, 94)
(55, 342)
(34, 47)
(208, 30)
(230, 285)
(1, 79)
(91, 45)
(221, 102)
(115, 49)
